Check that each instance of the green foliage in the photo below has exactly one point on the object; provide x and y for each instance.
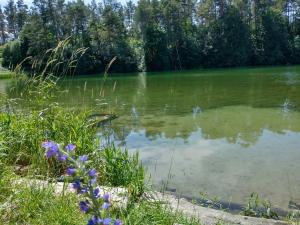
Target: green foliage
(10, 14)
(35, 204)
(109, 39)
(119, 168)
(276, 38)
(257, 207)
(230, 41)
(11, 54)
(156, 52)
(6, 55)
(21, 135)
(293, 217)
(158, 34)
(153, 213)
(24, 203)
(21, 15)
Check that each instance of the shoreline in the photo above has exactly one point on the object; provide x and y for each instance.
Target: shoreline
(208, 216)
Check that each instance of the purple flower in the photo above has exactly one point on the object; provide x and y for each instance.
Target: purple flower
(118, 222)
(52, 148)
(83, 190)
(97, 192)
(71, 171)
(105, 205)
(106, 221)
(92, 222)
(95, 221)
(70, 147)
(84, 206)
(92, 181)
(76, 185)
(92, 173)
(62, 157)
(83, 158)
(106, 197)
(48, 144)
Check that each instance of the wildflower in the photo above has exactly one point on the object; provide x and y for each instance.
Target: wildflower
(95, 220)
(91, 222)
(83, 190)
(83, 158)
(84, 206)
(92, 181)
(76, 185)
(97, 192)
(82, 184)
(92, 173)
(62, 157)
(48, 144)
(106, 221)
(70, 147)
(52, 148)
(106, 197)
(71, 171)
(118, 222)
(105, 205)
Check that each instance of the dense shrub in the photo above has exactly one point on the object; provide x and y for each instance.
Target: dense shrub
(11, 54)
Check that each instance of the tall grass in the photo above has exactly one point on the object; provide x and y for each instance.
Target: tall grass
(61, 60)
(119, 168)
(22, 133)
(35, 205)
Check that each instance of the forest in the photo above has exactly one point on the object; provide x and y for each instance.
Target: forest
(154, 35)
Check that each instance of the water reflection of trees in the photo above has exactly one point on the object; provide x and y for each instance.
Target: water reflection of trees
(181, 93)
(237, 108)
(233, 104)
(237, 124)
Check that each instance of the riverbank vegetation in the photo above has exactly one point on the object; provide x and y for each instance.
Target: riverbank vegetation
(156, 35)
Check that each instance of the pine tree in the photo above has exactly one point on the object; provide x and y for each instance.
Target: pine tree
(10, 14)
(2, 26)
(21, 15)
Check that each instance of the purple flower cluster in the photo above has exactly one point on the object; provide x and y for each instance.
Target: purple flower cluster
(84, 181)
(54, 151)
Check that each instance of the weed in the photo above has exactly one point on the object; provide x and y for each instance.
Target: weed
(121, 169)
(257, 207)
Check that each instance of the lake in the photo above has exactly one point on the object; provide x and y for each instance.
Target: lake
(224, 132)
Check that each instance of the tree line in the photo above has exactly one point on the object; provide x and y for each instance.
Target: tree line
(155, 35)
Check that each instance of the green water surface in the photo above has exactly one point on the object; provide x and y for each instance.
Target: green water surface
(227, 132)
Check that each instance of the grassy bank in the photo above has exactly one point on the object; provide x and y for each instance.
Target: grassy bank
(39, 205)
